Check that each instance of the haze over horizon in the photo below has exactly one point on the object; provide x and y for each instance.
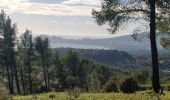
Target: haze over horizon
(59, 17)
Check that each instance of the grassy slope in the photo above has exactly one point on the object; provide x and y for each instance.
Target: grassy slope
(96, 96)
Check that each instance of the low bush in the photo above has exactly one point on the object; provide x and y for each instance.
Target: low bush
(75, 93)
(166, 87)
(128, 85)
(110, 86)
(145, 87)
(34, 97)
(52, 96)
(4, 94)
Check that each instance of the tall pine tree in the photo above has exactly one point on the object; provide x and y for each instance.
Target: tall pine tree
(118, 12)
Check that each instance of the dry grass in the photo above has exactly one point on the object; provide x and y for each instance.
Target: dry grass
(96, 96)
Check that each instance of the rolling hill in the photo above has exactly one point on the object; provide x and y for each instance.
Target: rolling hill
(122, 43)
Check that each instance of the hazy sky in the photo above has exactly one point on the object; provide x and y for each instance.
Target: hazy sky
(58, 17)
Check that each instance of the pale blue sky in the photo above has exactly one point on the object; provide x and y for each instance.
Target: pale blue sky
(57, 17)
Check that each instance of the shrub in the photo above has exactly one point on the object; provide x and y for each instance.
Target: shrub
(141, 75)
(110, 86)
(73, 92)
(166, 87)
(128, 85)
(34, 97)
(145, 87)
(52, 96)
(4, 94)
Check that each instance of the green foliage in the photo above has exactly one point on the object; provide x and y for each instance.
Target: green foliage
(94, 83)
(163, 25)
(110, 86)
(9, 39)
(165, 42)
(57, 72)
(116, 14)
(4, 94)
(145, 87)
(166, 87)
(128, 85)
(102, 73)
(71, 62)
(26, 42)
(72, 69)
(73, 93)
(34, 97)
(52, 96)
(141, 75)
(42, 47)
(25, 58)
(41, 44)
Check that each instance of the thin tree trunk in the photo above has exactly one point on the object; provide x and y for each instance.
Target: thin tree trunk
(48, 80)
(9, 71)
(30, 71)
(12, 79)
(87, 88)
(16, 78)
(9, 80)
(154, 51)
(45, 78)
(22, 78)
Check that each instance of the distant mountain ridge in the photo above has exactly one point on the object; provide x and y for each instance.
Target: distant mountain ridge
(123, 43)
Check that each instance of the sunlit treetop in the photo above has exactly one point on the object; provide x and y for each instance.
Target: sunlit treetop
(118, 12)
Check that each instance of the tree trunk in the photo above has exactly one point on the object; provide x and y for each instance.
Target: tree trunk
(9, 71)
(87, 88)
(154, 51)
(12, 79)
(16, 78)
(30, 71)
(9, 80)
(22, 78)
(45, 78)
(48, 80)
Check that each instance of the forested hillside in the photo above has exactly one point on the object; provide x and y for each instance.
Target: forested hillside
(110, 57)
